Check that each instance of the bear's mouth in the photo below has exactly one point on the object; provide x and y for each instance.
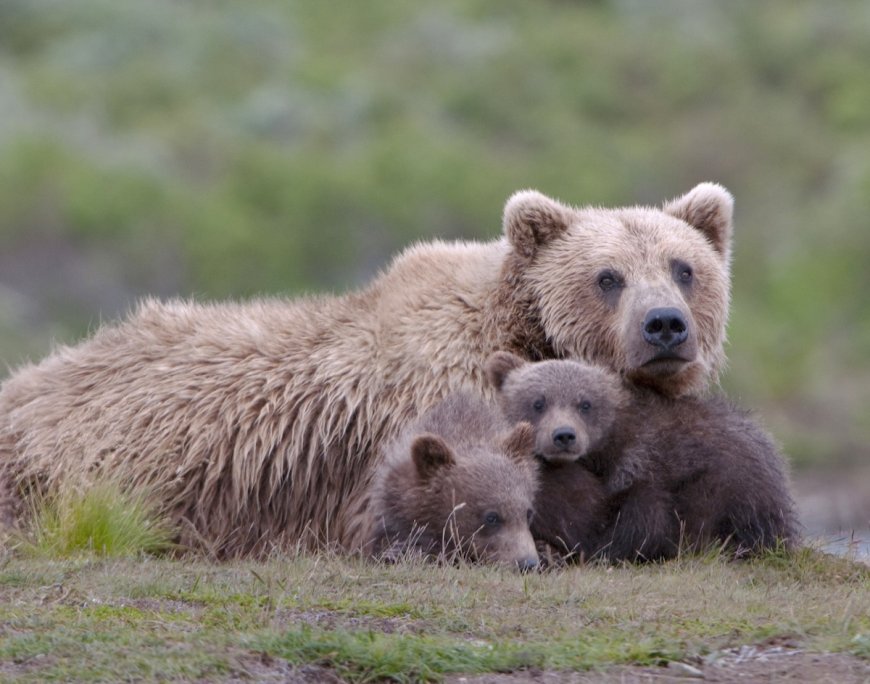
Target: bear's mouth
(666, 363)
(548, 463)
(560, 458)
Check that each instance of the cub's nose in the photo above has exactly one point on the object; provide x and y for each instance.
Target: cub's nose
(527, 564)
(564, 437)
(665, 328)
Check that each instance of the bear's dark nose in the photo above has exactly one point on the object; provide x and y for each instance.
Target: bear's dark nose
(527, 564)
(665, 328)
(564, 437)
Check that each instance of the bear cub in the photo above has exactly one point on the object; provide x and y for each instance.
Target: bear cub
(650, 475)
(573, 407)
(460, 481)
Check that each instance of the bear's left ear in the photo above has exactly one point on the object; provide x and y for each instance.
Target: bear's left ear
(430, 454)
(499, 364)
(519, 445)
(710, 208)
(532, 219)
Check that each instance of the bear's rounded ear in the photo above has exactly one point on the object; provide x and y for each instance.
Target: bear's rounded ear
(519, 444)
(532, 219)
(431, 454)
(499, 364)
(710, 208)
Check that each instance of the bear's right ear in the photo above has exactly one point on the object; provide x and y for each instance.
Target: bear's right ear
(499, 364)
(532, 219)
(431, 454)
(519, 445)
(709, 208)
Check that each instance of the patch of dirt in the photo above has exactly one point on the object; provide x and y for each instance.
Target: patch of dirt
(746, 664)
(12, 669)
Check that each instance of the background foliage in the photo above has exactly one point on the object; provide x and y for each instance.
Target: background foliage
(223, 149)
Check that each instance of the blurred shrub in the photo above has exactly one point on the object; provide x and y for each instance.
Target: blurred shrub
(224, 149)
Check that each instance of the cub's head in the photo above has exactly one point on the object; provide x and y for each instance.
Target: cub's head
(475, 504)
(571, 405)
(641, 290)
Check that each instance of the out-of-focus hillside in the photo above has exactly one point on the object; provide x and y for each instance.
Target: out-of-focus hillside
(224, 149)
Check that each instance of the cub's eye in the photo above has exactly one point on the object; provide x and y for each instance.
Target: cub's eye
(685, 275)
(585, 406)
(529, 514)
(539, 404)
(492, 518)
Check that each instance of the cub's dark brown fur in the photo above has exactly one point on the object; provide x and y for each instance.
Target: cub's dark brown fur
(667, 474)
(689, 473)
(459, 480)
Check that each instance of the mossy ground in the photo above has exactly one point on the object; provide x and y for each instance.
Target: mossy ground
(91, 619)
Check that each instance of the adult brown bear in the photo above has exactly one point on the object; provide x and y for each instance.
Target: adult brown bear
(260, 424)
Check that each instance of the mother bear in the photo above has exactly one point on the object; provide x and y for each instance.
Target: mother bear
(260, 422)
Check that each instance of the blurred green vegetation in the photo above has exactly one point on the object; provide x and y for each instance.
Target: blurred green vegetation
(227, 149)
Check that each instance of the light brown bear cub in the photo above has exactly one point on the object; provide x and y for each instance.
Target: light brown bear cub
(658, 475)
(458, 482)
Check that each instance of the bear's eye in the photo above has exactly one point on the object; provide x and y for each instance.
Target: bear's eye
(492, 519)
(585, 406)
(682, 272)
(607, 281)
(539, 404)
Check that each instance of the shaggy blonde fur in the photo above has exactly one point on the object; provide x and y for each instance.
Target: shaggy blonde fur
(261, 423)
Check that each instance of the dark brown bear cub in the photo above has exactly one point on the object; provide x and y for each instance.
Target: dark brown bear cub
(690, 473)
(667, 475)
(460, 481)
(573, 407)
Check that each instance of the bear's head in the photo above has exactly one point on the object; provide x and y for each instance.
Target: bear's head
(476, 505)
(640, 290)
(571, 405)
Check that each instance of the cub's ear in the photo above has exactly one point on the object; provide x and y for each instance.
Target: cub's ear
(431, 454)
(710, 208)
(532, 219)
(519, 444)
(499, 364)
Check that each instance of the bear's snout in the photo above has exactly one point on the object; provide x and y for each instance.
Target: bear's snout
(564, 438)
(665, 328)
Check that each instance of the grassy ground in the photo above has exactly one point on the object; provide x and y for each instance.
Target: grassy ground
(316, 617)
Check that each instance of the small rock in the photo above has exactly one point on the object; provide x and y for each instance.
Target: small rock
(685, 670)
